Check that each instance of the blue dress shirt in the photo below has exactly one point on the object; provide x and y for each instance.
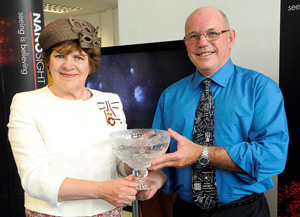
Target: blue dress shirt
(250, 123)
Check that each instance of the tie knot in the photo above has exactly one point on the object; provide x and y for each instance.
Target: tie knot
(206, 82)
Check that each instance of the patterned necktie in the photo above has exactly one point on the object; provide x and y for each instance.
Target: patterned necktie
(203, 178)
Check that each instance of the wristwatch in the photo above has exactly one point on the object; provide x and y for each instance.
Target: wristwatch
(203, 160)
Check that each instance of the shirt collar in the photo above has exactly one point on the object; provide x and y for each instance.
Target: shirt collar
(221, 77)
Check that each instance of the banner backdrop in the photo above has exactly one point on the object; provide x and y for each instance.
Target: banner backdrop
(21, 69)
(289, 181)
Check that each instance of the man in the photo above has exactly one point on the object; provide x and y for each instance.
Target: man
(246, 134)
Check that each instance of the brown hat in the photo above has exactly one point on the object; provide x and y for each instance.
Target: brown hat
(66, 29)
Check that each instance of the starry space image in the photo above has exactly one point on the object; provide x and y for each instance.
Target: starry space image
(139, 78)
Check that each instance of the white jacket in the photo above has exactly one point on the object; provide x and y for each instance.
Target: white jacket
(54, 138)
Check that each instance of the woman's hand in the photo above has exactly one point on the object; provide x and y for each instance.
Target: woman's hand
(119, 192)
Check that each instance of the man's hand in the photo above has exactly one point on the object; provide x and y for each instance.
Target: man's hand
(159, 178)
(187, 153)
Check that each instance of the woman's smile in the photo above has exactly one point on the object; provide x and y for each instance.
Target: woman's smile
(68, 75)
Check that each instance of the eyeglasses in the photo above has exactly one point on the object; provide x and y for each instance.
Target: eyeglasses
(209, 36)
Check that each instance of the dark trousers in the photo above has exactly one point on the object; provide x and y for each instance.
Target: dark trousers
(258, 208)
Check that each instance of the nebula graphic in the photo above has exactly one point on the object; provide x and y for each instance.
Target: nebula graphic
(139, 94)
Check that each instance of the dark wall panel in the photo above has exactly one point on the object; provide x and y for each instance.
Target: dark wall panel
(21, 69)
(289, 180)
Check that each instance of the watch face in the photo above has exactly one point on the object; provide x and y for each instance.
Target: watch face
(203, 161)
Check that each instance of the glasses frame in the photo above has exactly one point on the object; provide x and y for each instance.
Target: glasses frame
(204, 33)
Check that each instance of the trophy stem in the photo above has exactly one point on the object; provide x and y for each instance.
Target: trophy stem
(140, 175)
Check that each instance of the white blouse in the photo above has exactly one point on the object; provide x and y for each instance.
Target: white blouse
(54, 138)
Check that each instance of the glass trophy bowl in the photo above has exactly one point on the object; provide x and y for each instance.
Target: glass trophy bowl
(138, 148)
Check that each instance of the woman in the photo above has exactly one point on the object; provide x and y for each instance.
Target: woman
(60, 133)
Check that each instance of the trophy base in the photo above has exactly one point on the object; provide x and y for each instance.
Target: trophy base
(146, 185)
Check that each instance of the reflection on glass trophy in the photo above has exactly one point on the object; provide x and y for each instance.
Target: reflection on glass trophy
(138, 148)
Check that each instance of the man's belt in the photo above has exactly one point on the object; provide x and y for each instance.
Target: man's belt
(243, 201)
